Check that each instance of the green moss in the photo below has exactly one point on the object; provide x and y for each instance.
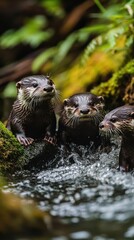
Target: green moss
(10, 149)
(114, 88)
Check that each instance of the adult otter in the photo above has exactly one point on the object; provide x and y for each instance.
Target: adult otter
(32, 116)
(121, 121)
(80, 118)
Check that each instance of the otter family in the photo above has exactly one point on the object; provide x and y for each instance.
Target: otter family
(82, 119)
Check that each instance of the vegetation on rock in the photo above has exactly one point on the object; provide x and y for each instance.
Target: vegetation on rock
(114, 90)
(14, 156)
(10, 149)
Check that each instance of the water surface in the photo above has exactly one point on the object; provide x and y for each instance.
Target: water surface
(90, 196)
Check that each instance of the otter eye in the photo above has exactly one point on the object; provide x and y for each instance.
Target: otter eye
(91, 104)
(76, 105)
(114, 119)
(35, 85)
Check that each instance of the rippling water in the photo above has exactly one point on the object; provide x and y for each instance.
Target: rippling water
(92, 198)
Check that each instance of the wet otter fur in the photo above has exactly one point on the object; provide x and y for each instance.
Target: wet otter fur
(79, 120)
(32, 116)
(120, 121)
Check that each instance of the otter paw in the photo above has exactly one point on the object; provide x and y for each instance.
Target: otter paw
(24, 141)
(51, 140)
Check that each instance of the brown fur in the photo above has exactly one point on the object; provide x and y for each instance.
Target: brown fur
(121, 121)
(80, 117)
(32, 116)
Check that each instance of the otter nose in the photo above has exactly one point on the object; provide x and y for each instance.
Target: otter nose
(84, 111)
(48, 89)
(101, 125)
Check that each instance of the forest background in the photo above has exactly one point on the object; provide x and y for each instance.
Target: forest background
(84, 45)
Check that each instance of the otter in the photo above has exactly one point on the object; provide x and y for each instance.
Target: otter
(32, 116)
(79, 120)
(121, 121)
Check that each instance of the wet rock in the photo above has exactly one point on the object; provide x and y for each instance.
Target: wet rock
(38, 154)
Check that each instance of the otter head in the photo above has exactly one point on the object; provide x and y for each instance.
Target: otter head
(118, 121)
(83, 107)
(36, 87)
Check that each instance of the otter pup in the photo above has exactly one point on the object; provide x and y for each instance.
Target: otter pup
(80, 118)
(121, 121)
(32, 116)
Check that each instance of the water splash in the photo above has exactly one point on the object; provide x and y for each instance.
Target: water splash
(84, 187)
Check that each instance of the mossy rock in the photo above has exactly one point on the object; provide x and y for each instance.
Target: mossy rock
(13, 156)
(129, 92)
(10, 149)
(114, 89)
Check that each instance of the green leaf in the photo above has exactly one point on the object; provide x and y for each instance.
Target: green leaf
(10, 90)
(34, 39)
(9, 39)
(100, 6)
(54, 7)
(31, 33)
(64, 47)
(99, 28)
(43, 58)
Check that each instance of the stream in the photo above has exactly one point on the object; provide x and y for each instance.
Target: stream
(90, 196)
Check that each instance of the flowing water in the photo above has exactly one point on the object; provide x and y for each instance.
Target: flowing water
(90, 196)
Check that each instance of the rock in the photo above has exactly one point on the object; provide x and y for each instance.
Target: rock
(115, 89)
(13, 156)
(39, 154)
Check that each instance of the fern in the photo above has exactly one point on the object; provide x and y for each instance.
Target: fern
(59, 52)
(54, 7)
(121, 23)
(43, 58)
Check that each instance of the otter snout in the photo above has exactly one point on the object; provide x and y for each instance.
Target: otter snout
(48, 89)
(101, 125)
(105, 126)
(84, 111)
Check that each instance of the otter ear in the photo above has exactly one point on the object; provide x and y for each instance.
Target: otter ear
(132, 114)
(66, 101)
(101, 99)
(18, 84)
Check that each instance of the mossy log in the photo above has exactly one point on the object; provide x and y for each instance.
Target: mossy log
(13, 156)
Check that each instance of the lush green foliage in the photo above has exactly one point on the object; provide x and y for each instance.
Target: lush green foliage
(113, 21)
(111, 25)
(90, 54)
(31, 33)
